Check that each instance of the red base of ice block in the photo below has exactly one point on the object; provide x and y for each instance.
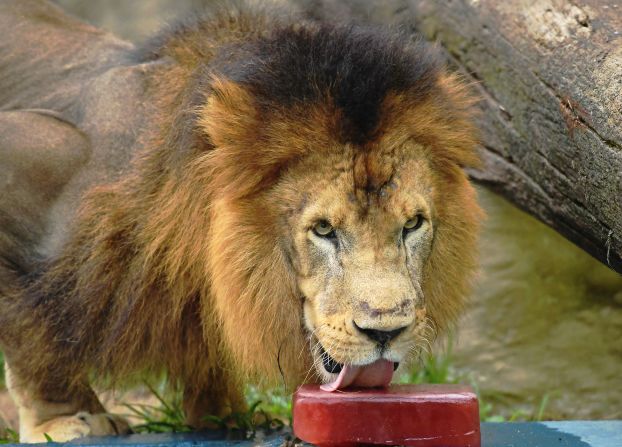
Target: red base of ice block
(411, 415)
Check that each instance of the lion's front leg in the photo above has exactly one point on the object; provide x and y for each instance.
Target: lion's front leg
(66, 428)
(41, 418)
(221, 396)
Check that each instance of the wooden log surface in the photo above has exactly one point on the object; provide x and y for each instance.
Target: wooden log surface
(550, 76)
(550, 73)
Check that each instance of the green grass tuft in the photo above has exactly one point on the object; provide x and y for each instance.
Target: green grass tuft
(275, 402)
(435, 369)
(9, 437)
(168, 415)
(249, 422)
(165, 417)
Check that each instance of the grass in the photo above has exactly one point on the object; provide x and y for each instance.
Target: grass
(9, 437)
(167, 416)
(273, 413)
(271, 410)
(275, 402)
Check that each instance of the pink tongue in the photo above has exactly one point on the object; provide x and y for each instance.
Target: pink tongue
(375, 374)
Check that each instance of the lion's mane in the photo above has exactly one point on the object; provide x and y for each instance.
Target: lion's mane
(179, 267)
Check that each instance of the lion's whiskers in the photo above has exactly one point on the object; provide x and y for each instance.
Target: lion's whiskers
(314, 348)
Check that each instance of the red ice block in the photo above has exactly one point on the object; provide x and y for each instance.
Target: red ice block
(411, 415)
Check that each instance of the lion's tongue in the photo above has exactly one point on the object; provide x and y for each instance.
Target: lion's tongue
(375, 374)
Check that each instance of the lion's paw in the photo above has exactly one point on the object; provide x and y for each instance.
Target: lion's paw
(81, 424)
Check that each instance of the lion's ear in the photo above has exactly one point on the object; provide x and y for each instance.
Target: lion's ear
(229, 116)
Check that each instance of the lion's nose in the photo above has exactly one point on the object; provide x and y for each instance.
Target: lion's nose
(380, 336)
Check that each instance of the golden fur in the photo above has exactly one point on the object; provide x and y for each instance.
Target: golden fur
(201, 262)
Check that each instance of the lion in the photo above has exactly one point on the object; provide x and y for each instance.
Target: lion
(251, 196)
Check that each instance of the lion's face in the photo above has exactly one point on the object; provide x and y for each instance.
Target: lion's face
(368, 247)
(362, 232)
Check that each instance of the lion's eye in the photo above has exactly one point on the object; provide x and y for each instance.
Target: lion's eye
(324, 229)
(413, 223)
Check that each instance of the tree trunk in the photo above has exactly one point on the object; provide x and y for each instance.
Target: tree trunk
(550, 76)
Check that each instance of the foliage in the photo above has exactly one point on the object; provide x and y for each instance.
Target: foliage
(434, 369)
(9, 437)
(249, 422)
(168, 415)
(275, 402)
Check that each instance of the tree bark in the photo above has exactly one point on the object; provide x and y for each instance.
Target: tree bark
(549, 73)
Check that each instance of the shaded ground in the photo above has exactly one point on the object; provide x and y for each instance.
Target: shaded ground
(546, 320)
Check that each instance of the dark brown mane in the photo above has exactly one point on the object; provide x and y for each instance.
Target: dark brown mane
(353, 66)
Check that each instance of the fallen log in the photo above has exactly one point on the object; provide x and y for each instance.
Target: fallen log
(550, 74)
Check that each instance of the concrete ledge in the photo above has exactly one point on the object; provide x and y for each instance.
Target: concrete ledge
(506, 434)
(552, 434)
